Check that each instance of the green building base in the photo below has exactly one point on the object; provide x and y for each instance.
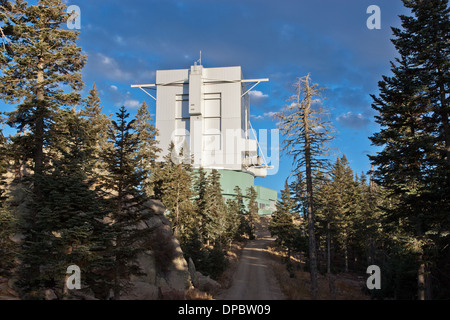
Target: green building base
(229, 179)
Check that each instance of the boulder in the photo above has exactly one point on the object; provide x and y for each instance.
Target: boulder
(193, 273)
(146, 261)
(206, 284)
(49, 294)
(166, 271)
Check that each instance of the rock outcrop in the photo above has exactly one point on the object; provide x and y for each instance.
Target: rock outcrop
(8, 289)
(167, 274)
(166, 270)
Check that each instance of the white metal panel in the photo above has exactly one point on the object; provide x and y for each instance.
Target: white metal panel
(165, 129)
(211, 142)
(196, 90)
(212, 125)
(224, 73)
(182, 126)
(170, 76)
(182, 107)
(213, 108)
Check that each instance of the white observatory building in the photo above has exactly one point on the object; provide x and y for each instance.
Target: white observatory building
(206, 111)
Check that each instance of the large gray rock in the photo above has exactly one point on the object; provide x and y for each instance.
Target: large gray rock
(163, 279)
(193, 272)
(167, 274)
(206, 284)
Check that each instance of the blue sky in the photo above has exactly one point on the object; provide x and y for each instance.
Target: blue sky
(127, 41)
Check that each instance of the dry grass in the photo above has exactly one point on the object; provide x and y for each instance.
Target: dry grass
(195, 294)
(226, 278)
(233, 254)
(346, 286)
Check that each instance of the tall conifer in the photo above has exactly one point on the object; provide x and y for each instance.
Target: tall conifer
(413, 111)
(123, 181)
(148, 148)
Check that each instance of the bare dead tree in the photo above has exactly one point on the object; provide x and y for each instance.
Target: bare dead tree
(306, 131)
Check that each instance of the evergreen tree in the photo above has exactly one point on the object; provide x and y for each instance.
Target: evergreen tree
(217, 210)
(413, 113)
(282, 223)
(97, 130)
(148, 149)
(3, 162)
(238, 212)
(8, 249)
(40, 57)
(173, 186)
(342, 204)
(200, 184)
(252, 211)
(325, 217)
(123, 181)
(68, 225)
(298, 193)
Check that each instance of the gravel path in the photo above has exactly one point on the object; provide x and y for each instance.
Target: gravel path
(254, 278)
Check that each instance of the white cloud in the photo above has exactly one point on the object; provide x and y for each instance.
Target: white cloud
(113, 87)
(351, 120)
(119, 40)
(257, 94)
(131, 103)
(257, 118)
(108, 67)
(270, 114)
(104, 59)
(264, 116)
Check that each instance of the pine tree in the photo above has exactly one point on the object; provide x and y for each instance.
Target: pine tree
(325, 217)
(216, 208)
(3, 162)
(148, 145)
(68, 225)
(413, 113)
(282, 223)
(97, 132)
(8, 248)
(306, 134)
(342, 203)
(40, 57)
(238, 212)
(173, 186)
(200, 183)
(123, 181)
(252, 211)
(298, 193)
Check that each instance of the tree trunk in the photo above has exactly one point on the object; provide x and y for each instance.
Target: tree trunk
(346, 256)
(328, 249)
(311, 222)
(421, 281)
(331, 286)
(39, 130)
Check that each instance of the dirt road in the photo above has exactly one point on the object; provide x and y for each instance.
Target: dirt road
(254, 278)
